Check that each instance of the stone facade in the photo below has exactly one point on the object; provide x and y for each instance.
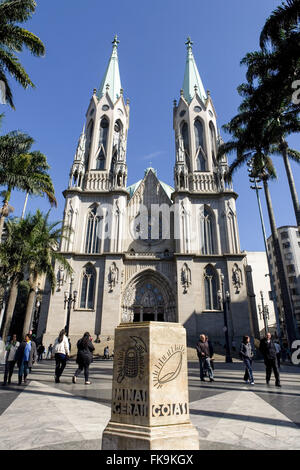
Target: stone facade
(150, 252)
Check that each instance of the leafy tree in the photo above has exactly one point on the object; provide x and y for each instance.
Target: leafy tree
(13, 38)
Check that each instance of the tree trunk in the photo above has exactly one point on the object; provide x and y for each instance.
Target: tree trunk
(291, 328)
(25, 205)
(10, 308)
(29, 310)
(291, 181)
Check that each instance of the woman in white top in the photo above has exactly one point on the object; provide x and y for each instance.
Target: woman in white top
(61, 353)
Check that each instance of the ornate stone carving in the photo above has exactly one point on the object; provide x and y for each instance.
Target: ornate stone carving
(237, 278)
(113, 276)
(61, 278)
(186, 278)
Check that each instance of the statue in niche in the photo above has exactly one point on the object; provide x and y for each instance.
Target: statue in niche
(60, 278)
(237, 278)
(186, 279)
(113, 277)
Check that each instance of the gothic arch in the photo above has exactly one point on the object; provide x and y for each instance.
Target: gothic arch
(211, 287)
(87, 288)
(208, 234)
(148, 296)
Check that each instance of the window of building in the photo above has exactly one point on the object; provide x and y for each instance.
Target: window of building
(286, 245)
(92, 240)
(284, 235)
(210, 288)
(291, 268)
(206, 230)
(87, 288)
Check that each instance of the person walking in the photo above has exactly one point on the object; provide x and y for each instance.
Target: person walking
(84, 357)
(61, 353)
(204, 359)
(26, 356)
(40, 350)
(246, 354)
(106, 352)
(10, 361)
(278, 352)
(49, 352)
(268, 350)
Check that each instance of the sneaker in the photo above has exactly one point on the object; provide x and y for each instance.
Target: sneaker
(57, 380)
(202, 380)
(277, 385)
(246, 381)
(252, 383)
(211, 380)
(74, 379)
(87, 383)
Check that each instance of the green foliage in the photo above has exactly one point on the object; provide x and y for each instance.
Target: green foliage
(13, 39)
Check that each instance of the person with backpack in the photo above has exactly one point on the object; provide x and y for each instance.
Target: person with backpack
(84, 357)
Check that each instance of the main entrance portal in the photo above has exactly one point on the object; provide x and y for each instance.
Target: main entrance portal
(148, 297)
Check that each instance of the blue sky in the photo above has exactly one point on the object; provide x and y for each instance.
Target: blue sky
(78, 35)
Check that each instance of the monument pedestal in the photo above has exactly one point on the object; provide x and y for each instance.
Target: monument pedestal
(150, 390)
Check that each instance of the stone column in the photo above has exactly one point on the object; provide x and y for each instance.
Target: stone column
(150, 408)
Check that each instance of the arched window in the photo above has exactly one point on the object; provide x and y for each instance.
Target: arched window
(207, 235)
(149, 303)
(100, 162)
(199, 143)
(87, 292)
(103, 134)
(199, 134)
(89, 138)
(210, 288)
(92, 241)
(185, 137)
(213, 142)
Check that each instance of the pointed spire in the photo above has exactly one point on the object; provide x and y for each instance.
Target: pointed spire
(192, 77)
(111, 82)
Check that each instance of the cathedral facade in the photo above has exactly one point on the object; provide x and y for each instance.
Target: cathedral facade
(150, 252)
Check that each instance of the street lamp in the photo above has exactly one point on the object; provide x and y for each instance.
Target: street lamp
(264, 312)
(69, 302)
(224, 300)
(255, 180)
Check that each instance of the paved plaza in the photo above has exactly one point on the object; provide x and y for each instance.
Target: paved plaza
(228, 414)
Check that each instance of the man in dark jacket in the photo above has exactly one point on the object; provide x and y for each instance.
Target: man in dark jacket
(25, 356)
(203, 352)
(268, 350)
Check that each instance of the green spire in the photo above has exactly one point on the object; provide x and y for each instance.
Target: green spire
(111, 82)
(192, 78)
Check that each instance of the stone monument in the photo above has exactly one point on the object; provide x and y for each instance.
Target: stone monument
(149, 408)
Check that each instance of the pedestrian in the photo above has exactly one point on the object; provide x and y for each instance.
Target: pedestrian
(278, 352)
(268, 350)
(40, 350)
(25, 357)
(246, 354)
(204, 358)
(49, 352)
(84, 357)
(10, 361)
(106, 352)
(61, 354)
(211, 352)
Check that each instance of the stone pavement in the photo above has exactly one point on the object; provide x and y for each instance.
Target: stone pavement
(227, 413)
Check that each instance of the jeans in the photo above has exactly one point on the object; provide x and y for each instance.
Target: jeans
(248, 371)
(23, 370)
(60, 360)
(204, 363)
(272, 364)
(86, 371)
(9, 369)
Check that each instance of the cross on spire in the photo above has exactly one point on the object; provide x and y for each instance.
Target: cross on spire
(189, 43)
(115, 41)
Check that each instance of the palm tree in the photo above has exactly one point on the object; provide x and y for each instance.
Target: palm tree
(39, 181)
(14, 255)
(44, 242)
(251, 140)
(22, 169)
(284, 18)
(12, 39)
(30, 246)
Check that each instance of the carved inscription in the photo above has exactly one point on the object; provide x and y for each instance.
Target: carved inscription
(169, 366)
(131, 402)
(170, 409)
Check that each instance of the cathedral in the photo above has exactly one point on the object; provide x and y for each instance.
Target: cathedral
(149, 251)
